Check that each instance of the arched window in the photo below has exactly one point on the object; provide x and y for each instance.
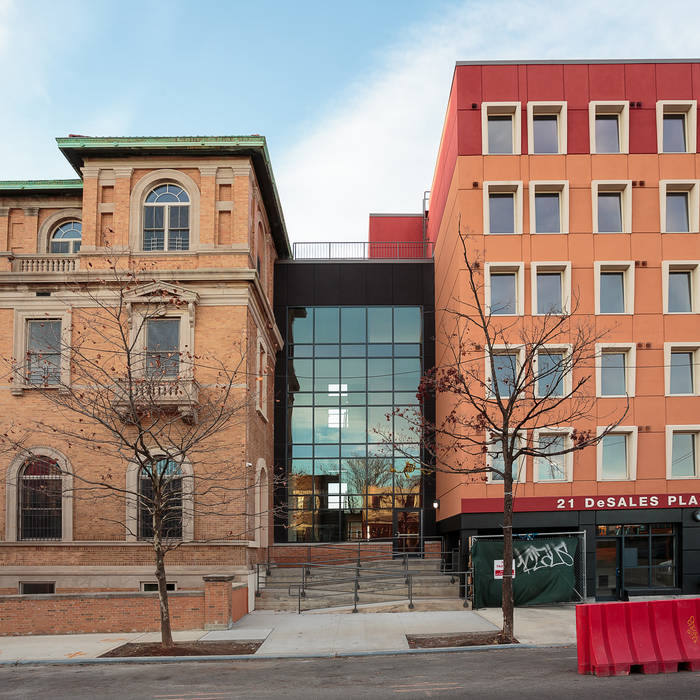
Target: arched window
(166, 218)
(160, 490)
(40, 500)
(66, 238)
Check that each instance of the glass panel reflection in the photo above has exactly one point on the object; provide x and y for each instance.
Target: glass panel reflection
(344, 475)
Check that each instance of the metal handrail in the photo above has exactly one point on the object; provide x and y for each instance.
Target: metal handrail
(362, 250)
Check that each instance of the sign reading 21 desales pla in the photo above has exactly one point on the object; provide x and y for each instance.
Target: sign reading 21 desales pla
(618, 502)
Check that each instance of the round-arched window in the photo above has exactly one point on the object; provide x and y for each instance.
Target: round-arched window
(166, 218)
(40, 500)
(66, 238)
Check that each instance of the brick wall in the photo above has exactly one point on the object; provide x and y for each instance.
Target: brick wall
(84, 613)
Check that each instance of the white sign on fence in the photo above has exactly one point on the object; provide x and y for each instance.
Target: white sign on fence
(498, 568)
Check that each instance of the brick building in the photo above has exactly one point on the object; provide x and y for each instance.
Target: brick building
(201, 219)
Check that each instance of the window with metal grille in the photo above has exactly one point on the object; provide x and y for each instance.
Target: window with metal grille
(166, 219)
(43, 352)
(162, 347)
(37, 587)
(40, 500)
(160, 491)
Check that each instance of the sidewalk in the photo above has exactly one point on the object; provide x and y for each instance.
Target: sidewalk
(289, 634)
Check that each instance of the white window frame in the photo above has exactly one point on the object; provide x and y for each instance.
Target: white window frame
(522, 460)
(670, 430)
(631, 432)
(689, 186)
(561, 187)
(557, 109)
(568, 458)
(500, 109)
(518, 269)
(566, 378)
(610, 107)
(691, 266)
(514, 187)
(624, 187)
(518, 350)
(627, 268)
(39, 312)
(564, 269)
(694, 348)
(630, 351)
(687, 107)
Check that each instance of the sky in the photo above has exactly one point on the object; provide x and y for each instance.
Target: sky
(350, 96)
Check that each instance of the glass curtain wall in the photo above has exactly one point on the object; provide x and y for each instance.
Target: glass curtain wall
(351, 460)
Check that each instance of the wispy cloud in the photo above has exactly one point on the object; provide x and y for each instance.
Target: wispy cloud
(375, 149)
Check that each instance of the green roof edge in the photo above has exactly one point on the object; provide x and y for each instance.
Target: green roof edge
(39, 185)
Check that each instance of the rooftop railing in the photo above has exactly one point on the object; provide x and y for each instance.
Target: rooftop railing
(363, 250)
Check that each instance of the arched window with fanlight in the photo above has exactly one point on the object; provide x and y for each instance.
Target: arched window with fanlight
(166, 218)
(66, 238)
(40, 500)
(160, 491)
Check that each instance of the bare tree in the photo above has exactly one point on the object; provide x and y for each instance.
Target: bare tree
(499, 383)
(123, 387)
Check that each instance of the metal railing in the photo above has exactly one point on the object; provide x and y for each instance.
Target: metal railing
(363, 250)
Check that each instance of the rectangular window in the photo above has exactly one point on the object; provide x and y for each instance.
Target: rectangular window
(609, 127)
(152, 586)
(501, 212)
(676, 126)
(682, 380)
(549, 293)
(680, 296)
(612, 292)
(545, 132)
(551, 466)
(495, 461)
(674, 133)
(162, 347)
(500, 130)
(684, 455)
(607, 133)
(677, 212)
(37, 587)
(503, 293)
(546, 127)
(613, 372)
(551, 368)
(615, 456)
(505, 367)
(547, 212)
(609, 212)
(43, 352)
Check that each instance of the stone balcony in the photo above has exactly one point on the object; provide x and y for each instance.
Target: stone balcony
(42, 264)
(155, 394)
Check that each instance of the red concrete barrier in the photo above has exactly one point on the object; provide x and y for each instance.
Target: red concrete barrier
(658, 636)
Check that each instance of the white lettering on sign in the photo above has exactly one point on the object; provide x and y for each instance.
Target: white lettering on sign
(498, 568)
(663, 501)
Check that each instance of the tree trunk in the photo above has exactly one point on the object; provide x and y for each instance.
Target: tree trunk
(507, 589)
(166, 634)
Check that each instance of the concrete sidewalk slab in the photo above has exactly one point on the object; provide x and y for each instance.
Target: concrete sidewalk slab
(340, 633)
(237, 635)
(539, 625)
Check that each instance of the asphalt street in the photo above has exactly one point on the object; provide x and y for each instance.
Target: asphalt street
(511, 673)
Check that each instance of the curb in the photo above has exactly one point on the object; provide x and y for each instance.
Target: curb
(271, 657)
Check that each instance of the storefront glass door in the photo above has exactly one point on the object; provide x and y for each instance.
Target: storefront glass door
(607, 569)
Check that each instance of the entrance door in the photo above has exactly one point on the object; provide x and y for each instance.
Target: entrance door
(407, 531)
(607, 569)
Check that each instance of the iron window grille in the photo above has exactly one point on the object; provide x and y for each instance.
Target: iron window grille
(40, 500)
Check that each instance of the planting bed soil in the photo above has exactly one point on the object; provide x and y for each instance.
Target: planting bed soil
(184, 649)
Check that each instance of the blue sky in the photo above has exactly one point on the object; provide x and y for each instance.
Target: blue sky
(350, 96)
